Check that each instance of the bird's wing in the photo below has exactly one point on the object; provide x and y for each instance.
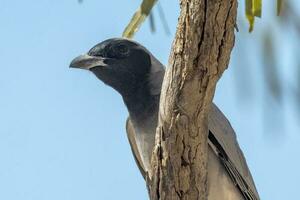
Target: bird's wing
(222, 139)
(131, 135)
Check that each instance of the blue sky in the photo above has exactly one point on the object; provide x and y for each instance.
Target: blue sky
(62, 133)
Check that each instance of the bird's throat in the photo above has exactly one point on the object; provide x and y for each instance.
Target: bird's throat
(144, 117)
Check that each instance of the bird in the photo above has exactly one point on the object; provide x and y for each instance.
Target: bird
(135, 73)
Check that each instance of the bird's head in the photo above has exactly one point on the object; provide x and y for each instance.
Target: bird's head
(121, 63)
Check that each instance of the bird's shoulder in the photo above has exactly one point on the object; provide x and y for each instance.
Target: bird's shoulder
(156, 76)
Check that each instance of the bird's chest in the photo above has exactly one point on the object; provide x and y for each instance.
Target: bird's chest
(145, 139)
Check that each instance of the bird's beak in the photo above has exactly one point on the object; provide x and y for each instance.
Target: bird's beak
(87, 62)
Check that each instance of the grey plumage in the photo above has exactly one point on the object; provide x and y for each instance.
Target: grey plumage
(137, 75)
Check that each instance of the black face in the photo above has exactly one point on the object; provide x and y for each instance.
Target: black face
(120, 63)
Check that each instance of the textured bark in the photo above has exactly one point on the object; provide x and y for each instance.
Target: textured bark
(200, 54)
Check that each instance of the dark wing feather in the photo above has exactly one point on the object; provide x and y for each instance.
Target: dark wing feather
(223, 140)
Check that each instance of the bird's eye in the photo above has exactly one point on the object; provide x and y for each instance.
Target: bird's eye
(118, 51)
(122, 49)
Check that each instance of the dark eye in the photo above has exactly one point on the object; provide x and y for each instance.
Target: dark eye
(122, 49)
(118, 51)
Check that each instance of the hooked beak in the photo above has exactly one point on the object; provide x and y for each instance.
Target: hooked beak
(87, 62)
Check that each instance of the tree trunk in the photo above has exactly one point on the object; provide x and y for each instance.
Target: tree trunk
(200, 54)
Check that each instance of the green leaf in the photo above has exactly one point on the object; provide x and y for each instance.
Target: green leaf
(163, 18)
(257, 8)
(251, 20)
(249, 14)
(253, 9)
(279, 6)
(138, 18)
(272, 76)
(152, 22)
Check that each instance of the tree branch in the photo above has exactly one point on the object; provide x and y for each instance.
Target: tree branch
(200, 54)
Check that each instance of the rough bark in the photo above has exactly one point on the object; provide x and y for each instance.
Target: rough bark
(200, 54)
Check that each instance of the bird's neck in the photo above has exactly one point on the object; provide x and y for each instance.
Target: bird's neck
(141, 105)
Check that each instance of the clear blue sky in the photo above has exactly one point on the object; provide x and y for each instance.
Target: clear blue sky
(62, 134)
